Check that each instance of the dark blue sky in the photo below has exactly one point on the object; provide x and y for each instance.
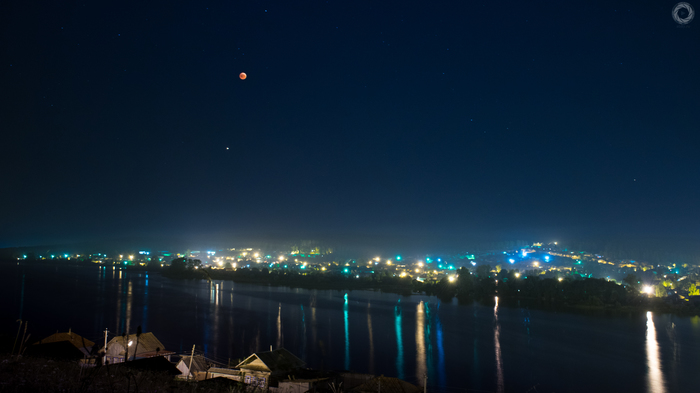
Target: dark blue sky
(414, 122)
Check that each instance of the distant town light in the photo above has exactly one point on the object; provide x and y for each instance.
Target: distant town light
(546, 258)
(130, 342)
(398, 257)
(517, 275)
(648, 289)
(451, 278)
(511, 260)
(561, 279)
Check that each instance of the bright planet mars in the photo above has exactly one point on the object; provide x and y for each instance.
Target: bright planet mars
(242, 75)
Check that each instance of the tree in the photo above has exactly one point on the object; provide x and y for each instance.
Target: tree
(693, 290)
(194, 264)
(178, 264)
(632, 282)
(482, 271)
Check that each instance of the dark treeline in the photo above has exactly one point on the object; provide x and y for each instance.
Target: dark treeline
(572, 291)
(480, 285)
(384, 281)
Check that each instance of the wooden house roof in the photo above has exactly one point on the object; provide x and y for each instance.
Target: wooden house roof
(199, 363)
(76, 340)
(58, 350)
(279, 360)
(147, 342)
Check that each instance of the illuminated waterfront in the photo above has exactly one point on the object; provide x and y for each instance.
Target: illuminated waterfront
(486, 347)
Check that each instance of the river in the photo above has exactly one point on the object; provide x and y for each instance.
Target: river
(457, 347)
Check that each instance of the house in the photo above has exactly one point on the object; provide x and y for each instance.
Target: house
(307, 381)
(156, 364)
(59, 350)
(228, 373)
(386, 385)
(262, 369)
(63, 346)
(200, 367)
(144, 346)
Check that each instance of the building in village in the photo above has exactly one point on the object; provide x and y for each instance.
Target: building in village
(196, 367)
(135, 347)
(264, 369)
(64, 346)
(308, 381)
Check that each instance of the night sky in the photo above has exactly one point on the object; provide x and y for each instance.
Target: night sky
(409, 123)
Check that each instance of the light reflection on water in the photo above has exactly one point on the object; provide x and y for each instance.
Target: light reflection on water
(420, 344)
(399, 340)
(347, 333)
(655, 376)
(497, 348)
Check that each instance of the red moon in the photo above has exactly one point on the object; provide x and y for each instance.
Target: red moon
(242, 75)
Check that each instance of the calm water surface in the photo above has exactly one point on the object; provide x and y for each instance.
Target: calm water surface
(467, 348)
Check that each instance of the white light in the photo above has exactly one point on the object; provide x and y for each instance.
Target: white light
(130, 342)
(648, 289)
(511, 260)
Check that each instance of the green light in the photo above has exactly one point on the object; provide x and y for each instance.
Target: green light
(346, 270)
(398, 257)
